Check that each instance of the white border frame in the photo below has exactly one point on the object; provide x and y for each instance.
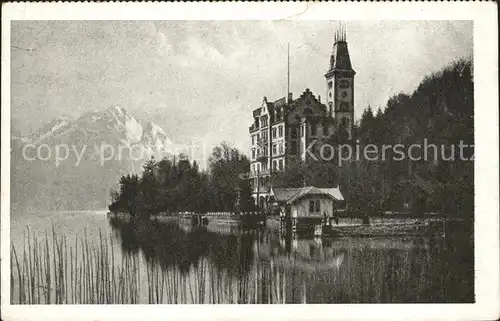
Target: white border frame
(487, 259)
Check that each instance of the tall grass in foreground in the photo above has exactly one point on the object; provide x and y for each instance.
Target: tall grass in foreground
(53, 270)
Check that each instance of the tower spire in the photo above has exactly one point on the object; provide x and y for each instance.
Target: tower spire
(340, 33)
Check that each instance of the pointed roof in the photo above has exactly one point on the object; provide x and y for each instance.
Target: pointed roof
(283, 194)
(340, 59)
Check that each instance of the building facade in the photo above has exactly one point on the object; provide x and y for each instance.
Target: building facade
(282, 130)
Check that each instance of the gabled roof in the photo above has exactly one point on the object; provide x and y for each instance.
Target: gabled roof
(335, 192)
(290, 195)
(283, 194)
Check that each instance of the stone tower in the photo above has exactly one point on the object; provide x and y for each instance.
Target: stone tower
(340, 84)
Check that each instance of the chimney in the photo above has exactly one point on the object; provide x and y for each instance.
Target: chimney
(290, 95)
(319, 98)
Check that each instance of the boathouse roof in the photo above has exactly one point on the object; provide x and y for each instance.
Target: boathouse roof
(291, 194)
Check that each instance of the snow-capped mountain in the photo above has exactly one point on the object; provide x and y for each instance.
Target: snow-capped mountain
(83, 181)
(54, 127)
(155, 138)
(113, 125)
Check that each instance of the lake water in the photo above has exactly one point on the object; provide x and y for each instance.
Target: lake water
(99, 259)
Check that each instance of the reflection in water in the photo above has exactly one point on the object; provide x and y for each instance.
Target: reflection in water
(223, 264)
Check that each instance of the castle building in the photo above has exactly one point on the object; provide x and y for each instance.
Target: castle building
(282, 130)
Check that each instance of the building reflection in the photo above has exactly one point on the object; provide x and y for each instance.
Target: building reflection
(227, 264)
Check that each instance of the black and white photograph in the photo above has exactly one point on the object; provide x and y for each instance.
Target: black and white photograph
(263, 162)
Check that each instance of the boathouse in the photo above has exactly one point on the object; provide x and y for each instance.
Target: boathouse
(310, 201)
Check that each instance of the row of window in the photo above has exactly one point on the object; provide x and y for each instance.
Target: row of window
(314, 130)
(262, 182)
(277, 149)
(278, 132)
(264, 119)
(275, 132)
(343, 83)
(277, 165)
(259, 167)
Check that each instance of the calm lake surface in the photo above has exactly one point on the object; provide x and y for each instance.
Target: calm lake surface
(168, 261)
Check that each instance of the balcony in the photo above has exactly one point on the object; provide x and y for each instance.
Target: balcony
(260, 174)
(262, 189)
(253, 128)
(262, 156)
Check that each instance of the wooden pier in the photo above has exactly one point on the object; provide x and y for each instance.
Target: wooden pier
(247, 220)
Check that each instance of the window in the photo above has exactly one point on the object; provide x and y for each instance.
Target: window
(330, 84)
(274, 132)
(293, 149)
(264, 135)
(314, 207)
(302, 130)
(263, 120)
(280, 148)
(258, 138)
(344, 83)
(293, 132)
(274, 165)
(253, 139)
(253, 153)
(280, 131)
(281, 165)
(274, 149)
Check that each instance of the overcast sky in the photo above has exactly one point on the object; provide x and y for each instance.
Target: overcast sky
(201, 80)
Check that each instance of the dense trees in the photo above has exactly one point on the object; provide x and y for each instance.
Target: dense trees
(440, 112)
(179, 185)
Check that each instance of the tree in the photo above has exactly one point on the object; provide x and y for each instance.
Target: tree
(226, 164)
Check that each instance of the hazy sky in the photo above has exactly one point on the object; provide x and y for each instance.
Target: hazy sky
(201, 80)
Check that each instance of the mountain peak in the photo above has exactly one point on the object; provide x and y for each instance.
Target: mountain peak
(117, 110)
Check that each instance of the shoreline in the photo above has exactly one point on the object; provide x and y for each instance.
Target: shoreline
(378, 227)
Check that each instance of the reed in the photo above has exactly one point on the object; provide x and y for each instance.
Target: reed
(54, 270)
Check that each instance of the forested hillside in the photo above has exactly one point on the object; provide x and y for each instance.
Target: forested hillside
(440, 112)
